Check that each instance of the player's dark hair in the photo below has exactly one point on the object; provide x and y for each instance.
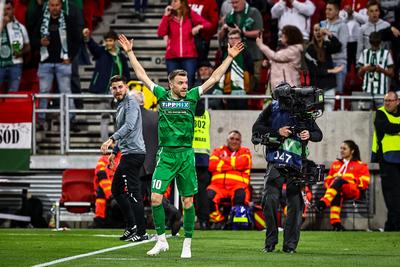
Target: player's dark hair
(173, 74)
(354, 147)
(117, 78)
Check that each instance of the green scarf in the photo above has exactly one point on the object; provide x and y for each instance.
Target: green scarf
(62, 29)
(246, 23)
(5, 49)
(232, 82)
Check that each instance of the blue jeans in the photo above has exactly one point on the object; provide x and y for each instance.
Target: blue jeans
(140, 5)
(13, 75)
(46, 73)
(188, 64)
(340, 78)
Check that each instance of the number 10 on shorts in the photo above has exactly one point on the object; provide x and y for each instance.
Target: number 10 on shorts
(156, 184)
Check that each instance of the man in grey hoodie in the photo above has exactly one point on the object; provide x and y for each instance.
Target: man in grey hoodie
(128, 139)
(374, 24)
(339, 29)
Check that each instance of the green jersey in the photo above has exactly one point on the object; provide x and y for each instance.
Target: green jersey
(176, 117)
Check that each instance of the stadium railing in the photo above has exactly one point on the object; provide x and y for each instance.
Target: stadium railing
(63, 112)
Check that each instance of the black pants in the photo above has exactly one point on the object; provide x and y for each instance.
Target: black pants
(390, 179)
(201, 200)
(126, 189)
(274, 181)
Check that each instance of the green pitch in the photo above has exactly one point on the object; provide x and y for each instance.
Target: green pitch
(26, 247)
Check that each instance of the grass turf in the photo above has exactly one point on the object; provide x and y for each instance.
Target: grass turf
(27, 247)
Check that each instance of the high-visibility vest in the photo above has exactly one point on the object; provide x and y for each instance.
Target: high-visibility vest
(201, 138)
(390, 142)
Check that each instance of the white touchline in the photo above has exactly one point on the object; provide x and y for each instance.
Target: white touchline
(93, 253)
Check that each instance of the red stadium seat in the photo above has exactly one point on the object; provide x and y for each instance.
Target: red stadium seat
(77, 194)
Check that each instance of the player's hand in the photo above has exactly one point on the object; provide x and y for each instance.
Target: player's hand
(395, 32)
(106, 145)
(305, 135)
(235, 50)
(285, 131)
(125, 43)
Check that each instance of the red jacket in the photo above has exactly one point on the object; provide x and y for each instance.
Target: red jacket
(356, 173)
(230, 168)
(180, 43)
(207, 9)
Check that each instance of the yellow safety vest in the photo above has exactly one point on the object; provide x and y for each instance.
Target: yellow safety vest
(150, 101)
(390, 142)
(201, 138)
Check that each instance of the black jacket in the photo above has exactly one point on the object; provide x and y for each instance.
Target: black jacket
(104, 67)
(74, 29)
(319, 75)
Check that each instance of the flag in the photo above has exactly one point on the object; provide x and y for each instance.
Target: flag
(15, 134)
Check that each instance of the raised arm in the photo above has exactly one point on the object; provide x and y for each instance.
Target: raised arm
(217, 74)
(137, 68)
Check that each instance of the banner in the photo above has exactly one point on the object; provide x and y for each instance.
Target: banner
(15, 134)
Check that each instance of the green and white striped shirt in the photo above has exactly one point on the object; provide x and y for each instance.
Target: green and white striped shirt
(374, 82)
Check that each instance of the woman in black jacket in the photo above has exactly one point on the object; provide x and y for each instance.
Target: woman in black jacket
(319, 62)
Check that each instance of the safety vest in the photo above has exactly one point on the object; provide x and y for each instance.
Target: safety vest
(390, 143)
(150, 101)
(201, 138)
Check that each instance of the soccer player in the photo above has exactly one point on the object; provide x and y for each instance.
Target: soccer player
(175, 157)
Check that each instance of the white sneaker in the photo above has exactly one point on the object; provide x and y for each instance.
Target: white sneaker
(160, 246)
(186, 248)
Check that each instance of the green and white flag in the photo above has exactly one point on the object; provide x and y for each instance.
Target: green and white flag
(15, 134)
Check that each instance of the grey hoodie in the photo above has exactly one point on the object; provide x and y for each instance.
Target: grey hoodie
(339, 29)
(129, 124)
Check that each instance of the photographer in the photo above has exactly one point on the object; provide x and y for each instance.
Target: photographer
(284, 157)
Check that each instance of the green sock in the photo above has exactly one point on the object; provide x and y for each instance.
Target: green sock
(188, 221)
(159, 218)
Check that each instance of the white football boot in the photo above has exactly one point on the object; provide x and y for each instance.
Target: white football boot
(186, 248)
(160, 246)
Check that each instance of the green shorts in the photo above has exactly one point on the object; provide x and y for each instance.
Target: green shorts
(171, 163)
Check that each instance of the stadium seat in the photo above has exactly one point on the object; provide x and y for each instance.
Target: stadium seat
(77, 193)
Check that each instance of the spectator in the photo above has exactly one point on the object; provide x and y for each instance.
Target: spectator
(348, 178)
(208, 10)
(248, 21)
(140, 8)
(150, 137)
(339, 29)
(376, 67)
(296, 13)
(204, 71)
(236, 80)
(319, 62)
(14, 44)
(354, 8)
(181, 24)
(109, 61)
(201, 147)
(230, 165)
(354, 31)
(285, 63)
(373, 24)
(104, 174)
(389, 8)
(56, 35)
(386, 151)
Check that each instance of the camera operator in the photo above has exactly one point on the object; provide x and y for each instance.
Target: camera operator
(283, 158)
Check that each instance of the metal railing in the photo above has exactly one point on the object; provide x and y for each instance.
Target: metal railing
(64, 112)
